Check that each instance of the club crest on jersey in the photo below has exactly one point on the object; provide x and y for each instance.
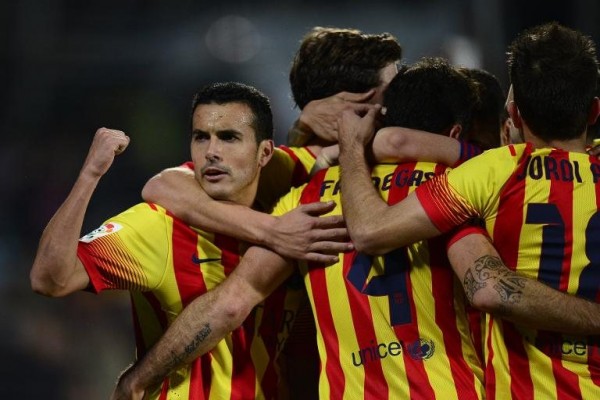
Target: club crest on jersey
(104, 230)
(421, 349)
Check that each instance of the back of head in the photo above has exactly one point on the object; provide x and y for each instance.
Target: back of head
(430, 95)
(235, 92)
(489, 113)
(554, 72)
(332, 60)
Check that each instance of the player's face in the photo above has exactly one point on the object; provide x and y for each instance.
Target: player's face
(225, 153)
(386, 74)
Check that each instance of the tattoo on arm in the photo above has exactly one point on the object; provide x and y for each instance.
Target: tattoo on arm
(178, 359)
(508, 285)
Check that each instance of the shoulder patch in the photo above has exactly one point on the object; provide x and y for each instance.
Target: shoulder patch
(104, 230)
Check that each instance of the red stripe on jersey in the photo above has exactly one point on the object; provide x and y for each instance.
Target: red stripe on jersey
(190, 281)
(164, 390)
(196, 382)
(418, 382)
(300, 174)
(521, 384)
(324, 318)
(230, 252)
(187, 274)
(322, 307)
(510, 214)
(205, 362)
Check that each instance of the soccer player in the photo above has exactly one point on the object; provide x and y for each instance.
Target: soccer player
(442, 356)
(165, 263)
(539, 201)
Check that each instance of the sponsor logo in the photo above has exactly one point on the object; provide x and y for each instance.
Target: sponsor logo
(104, 230)
(420, 349)
(199, 261)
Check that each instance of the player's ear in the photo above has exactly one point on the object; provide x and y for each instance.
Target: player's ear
(515, 115)
(455, 131)
(265, 152)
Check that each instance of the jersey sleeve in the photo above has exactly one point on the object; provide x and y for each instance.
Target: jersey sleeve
(129, 251)
(471, 190)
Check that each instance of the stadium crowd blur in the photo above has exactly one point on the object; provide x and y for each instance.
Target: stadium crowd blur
(71, 67)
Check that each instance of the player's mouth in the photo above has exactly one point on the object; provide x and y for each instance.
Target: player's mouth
(213, 174)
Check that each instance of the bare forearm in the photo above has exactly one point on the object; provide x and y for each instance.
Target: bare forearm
(394, 144)
(359, 193)
(178, 191)
(195, 332)
(529, 302)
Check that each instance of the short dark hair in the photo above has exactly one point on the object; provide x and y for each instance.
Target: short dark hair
(430, 95)
(554, 72)
(235, 92)
(489, 112)
(333, 60)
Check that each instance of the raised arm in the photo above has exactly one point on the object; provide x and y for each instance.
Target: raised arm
(206, 320)
(491, 287)
(375, 227)
(299, 234)
(56, 270)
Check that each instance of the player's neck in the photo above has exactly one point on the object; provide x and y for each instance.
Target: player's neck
(577, 145)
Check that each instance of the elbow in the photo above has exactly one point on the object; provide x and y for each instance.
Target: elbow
(236, 311)
(150, 191)
(42, 282)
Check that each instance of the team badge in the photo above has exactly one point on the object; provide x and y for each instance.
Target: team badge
(421, 349)
(104, 230)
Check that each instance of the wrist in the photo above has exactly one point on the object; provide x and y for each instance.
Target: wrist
(264, 235)
(350, 152)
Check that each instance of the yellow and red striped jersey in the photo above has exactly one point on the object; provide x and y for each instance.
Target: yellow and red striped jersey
(393, 326)
(541, 210)
(289, 167)
(165, 264)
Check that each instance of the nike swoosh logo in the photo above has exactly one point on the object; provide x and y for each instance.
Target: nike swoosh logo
(199, 261)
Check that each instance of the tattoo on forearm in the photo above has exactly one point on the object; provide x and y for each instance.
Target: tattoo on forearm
(177, 359)
(509, 286)
(472, 285)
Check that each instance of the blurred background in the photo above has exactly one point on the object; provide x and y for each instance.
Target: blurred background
(69, 67)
